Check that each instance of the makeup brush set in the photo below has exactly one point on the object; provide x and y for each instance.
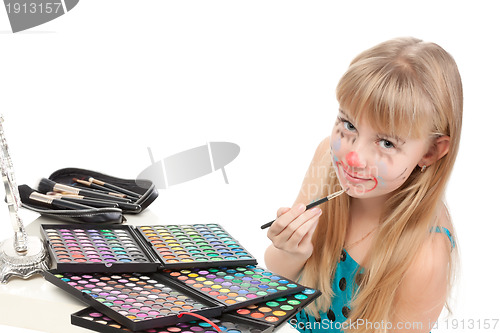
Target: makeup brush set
(85, 196)
(168, 278)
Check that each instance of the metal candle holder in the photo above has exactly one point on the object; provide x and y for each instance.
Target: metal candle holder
(20, 255)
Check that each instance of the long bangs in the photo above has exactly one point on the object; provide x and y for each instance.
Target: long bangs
(388, 96)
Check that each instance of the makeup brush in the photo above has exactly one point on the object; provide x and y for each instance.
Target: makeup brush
(95, 202)
(312, 204)
(104, 189)
(82, 200)
(113, 194)
(28, 194)
(114, 188)
(47, 185)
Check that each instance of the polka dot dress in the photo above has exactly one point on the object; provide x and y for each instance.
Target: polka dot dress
(343, 283)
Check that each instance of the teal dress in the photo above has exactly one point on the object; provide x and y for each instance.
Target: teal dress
(343, 282)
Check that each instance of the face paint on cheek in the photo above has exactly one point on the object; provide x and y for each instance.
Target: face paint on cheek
(381, 181)
(381, 170)
(335, 159)
(402, 174)
(336, 145)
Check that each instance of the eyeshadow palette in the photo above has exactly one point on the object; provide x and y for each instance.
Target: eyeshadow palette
(95, 320)
(124, 248)
(235, 287)
(198, 245)
(135, 300)
(98, 249)
(278, 310)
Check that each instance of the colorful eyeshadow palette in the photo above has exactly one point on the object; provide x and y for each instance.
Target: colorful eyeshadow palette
(235, 287)
(278, 310)
(94, 320)
(135, 300)
(98, 249)
(123, 248)
(198, 245)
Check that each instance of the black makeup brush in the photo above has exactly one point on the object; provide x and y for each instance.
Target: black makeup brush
(82, 200)
(104, 189)
(311, 205)
(29, 195)
(114, 187)
(95, 202)
(47, 185)
(115, 195)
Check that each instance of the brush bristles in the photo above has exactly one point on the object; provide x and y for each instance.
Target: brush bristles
(46, 185)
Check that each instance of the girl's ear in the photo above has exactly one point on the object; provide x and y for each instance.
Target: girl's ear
(438, 149)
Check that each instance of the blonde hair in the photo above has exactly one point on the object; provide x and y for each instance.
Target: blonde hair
(404, 87)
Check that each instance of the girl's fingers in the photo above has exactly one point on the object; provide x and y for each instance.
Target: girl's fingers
(306, 229)
(280, 224)
(301, 219)
(292, 235)
(306, 240)
(282, 211)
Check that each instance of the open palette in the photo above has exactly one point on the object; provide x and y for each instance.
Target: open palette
(94, 320)
(139, 301)
(276, 311)
(135, 300)
(124, 248)
(263, 317)
(235, 287)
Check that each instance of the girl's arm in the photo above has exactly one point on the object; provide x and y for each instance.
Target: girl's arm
(292, 231)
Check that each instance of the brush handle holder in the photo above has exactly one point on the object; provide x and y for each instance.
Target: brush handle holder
(104, 215)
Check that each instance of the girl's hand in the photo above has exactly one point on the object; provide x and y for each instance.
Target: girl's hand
(293, 229)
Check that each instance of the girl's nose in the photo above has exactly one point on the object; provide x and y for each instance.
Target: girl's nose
(353, 160)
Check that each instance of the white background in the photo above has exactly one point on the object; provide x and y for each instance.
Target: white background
(97, 86)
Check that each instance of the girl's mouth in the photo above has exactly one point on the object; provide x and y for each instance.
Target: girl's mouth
(354, 178)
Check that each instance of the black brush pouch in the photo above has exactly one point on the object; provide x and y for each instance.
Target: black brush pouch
(144, 187)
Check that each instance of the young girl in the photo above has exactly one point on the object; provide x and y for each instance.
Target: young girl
(382, 253)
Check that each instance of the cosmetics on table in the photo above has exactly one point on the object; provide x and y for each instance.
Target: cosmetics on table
(235, 287)
(95, 320)
(124, 248)
(27, 194)
(276, 311)
(47, 185)
(111, 248)
(113, 187)
(263, 317)
(148, 300)
(198, 245)
(138, 301)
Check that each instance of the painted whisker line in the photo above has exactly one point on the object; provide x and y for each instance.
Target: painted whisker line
(313, 204)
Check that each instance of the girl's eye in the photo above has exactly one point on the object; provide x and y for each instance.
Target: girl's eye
(348, 126)
(386, 144)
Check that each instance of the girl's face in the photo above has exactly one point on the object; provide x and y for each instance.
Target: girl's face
(372, 164)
